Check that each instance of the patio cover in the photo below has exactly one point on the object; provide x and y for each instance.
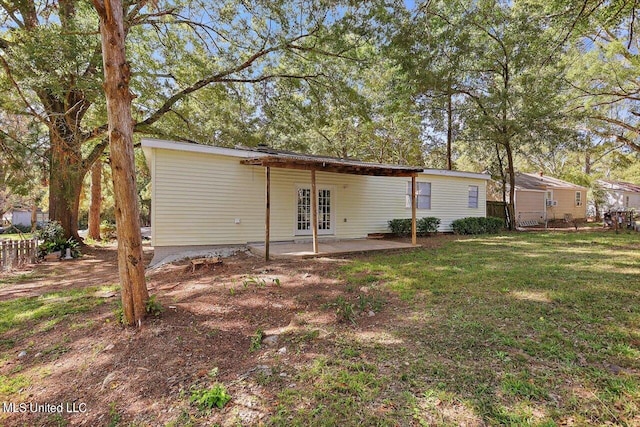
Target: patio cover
(269, 158)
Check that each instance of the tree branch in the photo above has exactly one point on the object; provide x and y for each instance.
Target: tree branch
(34, 113)
(218, 77)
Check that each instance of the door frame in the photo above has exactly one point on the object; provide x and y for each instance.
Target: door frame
(332, 215)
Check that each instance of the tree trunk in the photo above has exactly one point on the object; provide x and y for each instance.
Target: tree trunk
(96, 200)
(116, 86)
(65, 183)
(449, 126)
(512, 186)
(34, 216)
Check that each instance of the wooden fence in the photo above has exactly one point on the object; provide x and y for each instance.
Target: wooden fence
(497, 209)
(14, 253)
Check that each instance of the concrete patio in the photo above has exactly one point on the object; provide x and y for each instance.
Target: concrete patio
(327, 248)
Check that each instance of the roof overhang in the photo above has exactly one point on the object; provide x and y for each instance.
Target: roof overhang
(332, 165)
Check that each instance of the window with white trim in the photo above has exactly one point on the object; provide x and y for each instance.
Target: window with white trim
(473, 196)
(578, 198)
(423, 195)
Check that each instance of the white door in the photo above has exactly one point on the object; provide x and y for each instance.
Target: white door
(303, 211)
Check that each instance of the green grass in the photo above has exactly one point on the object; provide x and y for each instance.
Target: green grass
(16, 236)
(20, 278)
(519, 329)
(48, 308)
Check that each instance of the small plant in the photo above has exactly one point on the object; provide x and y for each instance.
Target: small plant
(370, 302)
(258, 282)
(214, 397)
(276, 281)
(153, 307)
(118, 313)
(256, 340)
(114, 416)
(344, 311)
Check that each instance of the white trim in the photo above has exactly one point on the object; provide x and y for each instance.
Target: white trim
(461, 174)
(199, 148)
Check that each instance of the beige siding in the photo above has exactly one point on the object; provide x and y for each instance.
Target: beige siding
(634, 201)
(198, 197)
(567, 205)
(530, 205)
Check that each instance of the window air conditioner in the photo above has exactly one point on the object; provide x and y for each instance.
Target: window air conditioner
(552, 203)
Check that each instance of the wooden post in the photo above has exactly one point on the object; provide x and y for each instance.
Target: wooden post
(3, 254)
(267, 212)
(314, 211)
(414, 230)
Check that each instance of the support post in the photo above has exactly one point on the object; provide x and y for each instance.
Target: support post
(314, 211)
(267, 212)
(414, 229)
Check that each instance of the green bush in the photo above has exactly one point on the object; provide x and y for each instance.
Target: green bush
(427, 225)
(52, 237)
(402, 227)
(19, 228)
(475, 225)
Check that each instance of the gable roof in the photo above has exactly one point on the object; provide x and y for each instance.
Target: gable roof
(619, 186)
(534, 181)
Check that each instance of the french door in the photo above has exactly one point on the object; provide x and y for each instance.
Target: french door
(303, 211)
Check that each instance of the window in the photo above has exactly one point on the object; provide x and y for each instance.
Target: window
(578, 198)
(423, 195)
(473, 196)
(550, 195)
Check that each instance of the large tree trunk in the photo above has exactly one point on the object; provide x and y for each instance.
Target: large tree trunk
(449, 125)
(116, 86)
(65, 183)
(512, 187)
(96, 200)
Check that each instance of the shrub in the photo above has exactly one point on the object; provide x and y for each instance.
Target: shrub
(475, 225)
(402, 227)
(52, 236)
(19, 228)
(427, 225)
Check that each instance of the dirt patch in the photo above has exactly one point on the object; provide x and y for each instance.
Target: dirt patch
(105, 374)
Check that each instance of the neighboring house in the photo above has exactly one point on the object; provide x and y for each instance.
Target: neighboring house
(23, 217)
(541, 198)
(205, 196)
(618, 196)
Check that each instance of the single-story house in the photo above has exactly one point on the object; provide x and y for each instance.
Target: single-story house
(619, 196)
(22, 217)
(541, 198)
(205, 196)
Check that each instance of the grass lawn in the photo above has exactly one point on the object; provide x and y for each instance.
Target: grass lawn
(535, 329)
(16, 236)
(521, 329)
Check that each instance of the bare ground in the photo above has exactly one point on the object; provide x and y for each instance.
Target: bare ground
(110, 374)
